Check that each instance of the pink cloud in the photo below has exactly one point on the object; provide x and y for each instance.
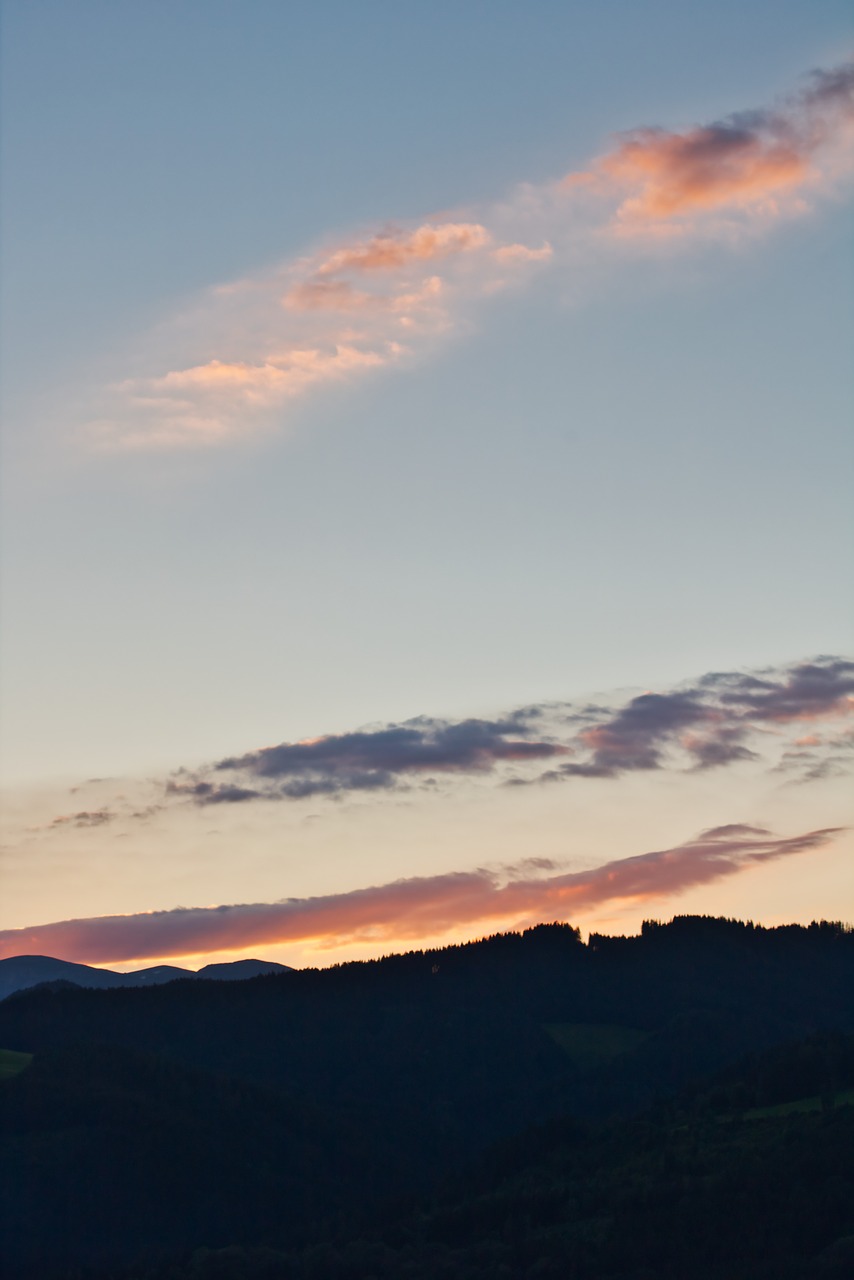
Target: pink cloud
(654, 186)
(330, 295)
(317, 295)
(510, 254)
(279, 376)
(395, 249)
(702, 169)
(414, 908)
(754, 162)
(207, 403)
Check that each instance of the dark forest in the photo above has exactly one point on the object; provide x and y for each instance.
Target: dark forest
(668, 1105)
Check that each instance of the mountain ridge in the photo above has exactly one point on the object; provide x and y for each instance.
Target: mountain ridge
(22, 973)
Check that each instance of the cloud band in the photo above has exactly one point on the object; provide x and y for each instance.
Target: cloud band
(419, 907)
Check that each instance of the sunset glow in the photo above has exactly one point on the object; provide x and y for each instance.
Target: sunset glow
(426, 476)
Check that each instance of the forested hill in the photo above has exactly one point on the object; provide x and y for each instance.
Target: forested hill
(484, 1036)
(247, 1113)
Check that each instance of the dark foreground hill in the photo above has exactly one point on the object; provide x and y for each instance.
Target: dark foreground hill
(567, 1098)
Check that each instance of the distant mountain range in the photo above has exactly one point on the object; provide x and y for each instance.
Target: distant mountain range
(20, 973)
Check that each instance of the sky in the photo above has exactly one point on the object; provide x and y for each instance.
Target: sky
(426, 472)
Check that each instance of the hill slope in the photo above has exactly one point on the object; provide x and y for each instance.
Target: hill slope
(244, 1113)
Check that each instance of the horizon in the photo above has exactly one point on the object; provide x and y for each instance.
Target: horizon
(644, 928)
(426, 474)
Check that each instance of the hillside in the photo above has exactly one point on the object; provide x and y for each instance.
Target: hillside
(286, 1110)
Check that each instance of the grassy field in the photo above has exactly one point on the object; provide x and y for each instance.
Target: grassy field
(843, 1098)
(589, 1044)
(11, 1062)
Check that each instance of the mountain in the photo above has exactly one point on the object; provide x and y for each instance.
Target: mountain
(19, 973)
(234, 970)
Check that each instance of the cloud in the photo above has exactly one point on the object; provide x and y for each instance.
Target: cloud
(641, 735)
(419, 907)
(417, 745)
(239, 361)
(422, 299)
(752, 163)
(392, 249)
(731, 829)
(516, 253)
(807, 691)
(330, 295)
(207, 793)
(205, 403)
(85, 818)
(709, 721)
(720, 720)
(367, 760)
(815, 756)
(722, 165)
(633, 738)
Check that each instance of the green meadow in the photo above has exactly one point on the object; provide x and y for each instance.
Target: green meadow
(843, 1098)
(12, 1063)
(589, 1044)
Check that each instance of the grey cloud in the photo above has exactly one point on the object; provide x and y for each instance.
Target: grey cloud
(369, 760)
(724, 748)
(301, 788)
(411, 747)
(810, 766)
(805, 691)
(712, 722)
(733, 830)
(210, 793)
(711, 719)
(635, 737)
(802, 120)
(829, 88)
(85, 818)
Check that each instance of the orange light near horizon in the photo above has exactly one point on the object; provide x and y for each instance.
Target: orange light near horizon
(416, 908)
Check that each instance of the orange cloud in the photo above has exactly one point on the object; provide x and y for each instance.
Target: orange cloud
(340, 296)
(283, 375)
(330, 295)
(751, 162)
(395, 249)
(509, 254)
(205, 403)
(703, 169)
(656, 185)
(415, 908)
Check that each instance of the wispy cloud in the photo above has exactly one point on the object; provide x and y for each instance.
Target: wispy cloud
(374, 300)
(331, 317)
(710, 721)
(796, 722)
(754, 163)
(85, 818)
(420, 907)
(722, 719)
(393, 249)
(816, 756)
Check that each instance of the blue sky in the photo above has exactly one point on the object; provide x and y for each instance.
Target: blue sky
(600, 464)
